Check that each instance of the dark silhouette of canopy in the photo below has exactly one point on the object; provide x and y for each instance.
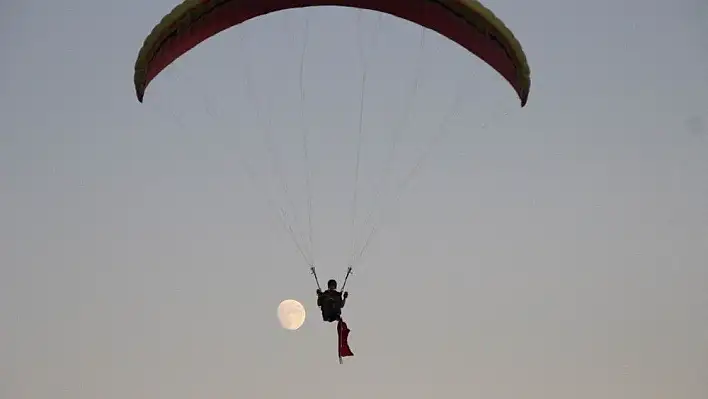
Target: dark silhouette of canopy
(467, 22)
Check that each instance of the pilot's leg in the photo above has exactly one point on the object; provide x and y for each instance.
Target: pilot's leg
(328, 316)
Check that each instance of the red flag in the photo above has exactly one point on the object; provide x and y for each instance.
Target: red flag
(343, 333)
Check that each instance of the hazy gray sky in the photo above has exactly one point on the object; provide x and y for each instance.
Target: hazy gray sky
(555, 251)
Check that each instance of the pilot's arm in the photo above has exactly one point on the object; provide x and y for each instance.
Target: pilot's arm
(344, 298)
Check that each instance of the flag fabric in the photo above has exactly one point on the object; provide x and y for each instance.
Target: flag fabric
(343, 334)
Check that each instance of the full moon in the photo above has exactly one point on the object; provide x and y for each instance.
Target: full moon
(291, 314)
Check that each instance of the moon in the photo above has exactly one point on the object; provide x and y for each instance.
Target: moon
(291, 314)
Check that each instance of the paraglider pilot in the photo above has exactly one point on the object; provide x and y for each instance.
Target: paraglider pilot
(331, 302)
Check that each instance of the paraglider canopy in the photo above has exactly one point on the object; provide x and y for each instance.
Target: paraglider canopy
(467, 22)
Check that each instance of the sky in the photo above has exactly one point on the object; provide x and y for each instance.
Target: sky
(553, 251)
